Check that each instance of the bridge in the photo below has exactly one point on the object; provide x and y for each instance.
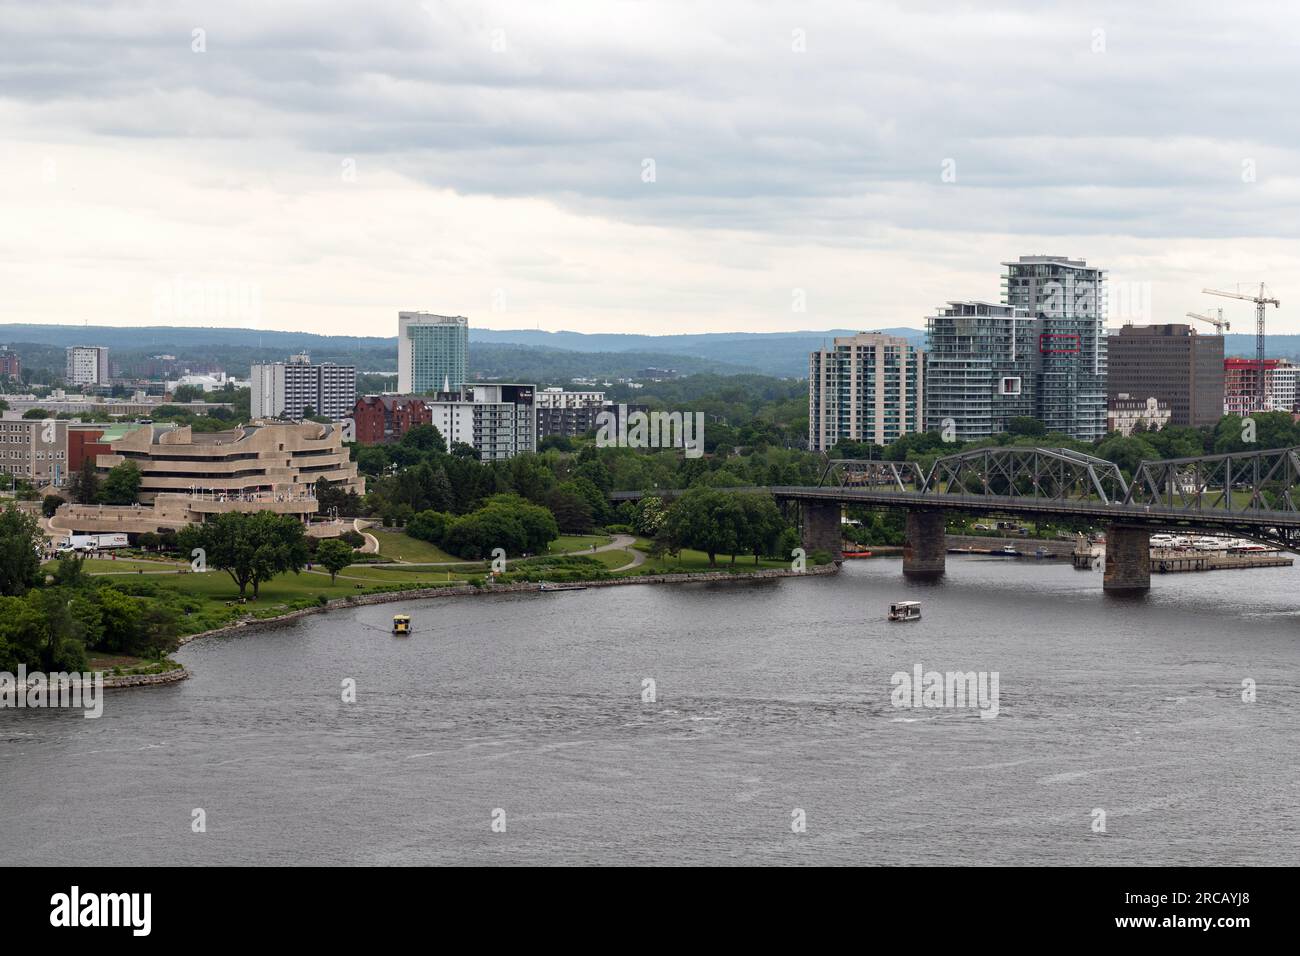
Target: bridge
(1250, 494)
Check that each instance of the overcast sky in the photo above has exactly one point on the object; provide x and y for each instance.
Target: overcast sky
(649, 167)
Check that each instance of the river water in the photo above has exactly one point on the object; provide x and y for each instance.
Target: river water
(772, 704)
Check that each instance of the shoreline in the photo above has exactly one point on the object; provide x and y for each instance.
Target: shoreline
(468, 590)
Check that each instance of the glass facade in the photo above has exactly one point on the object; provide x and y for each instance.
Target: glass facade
(1069, 300)
(979, 368)
(432, 351)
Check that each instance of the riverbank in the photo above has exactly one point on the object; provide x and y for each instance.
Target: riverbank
(420, 594)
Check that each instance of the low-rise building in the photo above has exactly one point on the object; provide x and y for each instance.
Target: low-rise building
(380, 419)
(34, 450)
(1125, 413)
(259, 460)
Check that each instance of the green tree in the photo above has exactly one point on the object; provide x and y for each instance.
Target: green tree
(334, 555)
(50, 504)
(762, 524)
(707, 520)
(122, 485)
(426, 438)
(21, 539)
(251, 548)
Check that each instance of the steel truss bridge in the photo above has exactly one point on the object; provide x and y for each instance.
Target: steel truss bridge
(1253, 494)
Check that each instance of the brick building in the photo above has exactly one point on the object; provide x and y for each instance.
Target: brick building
(380, 419)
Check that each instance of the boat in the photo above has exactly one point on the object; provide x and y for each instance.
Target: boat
(401, 624)
(562, 587)
(1007, 550)
(905, 611)
(857, 554)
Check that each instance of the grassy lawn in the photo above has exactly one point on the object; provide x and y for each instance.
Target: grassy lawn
(699, 561)
(613, 559)
(111, 664)
(105, 565)
(578, 542)
(400, 546)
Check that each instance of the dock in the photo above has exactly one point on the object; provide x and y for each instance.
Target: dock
(1167, 561)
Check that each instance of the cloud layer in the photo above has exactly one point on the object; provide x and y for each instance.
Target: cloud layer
(494, 159)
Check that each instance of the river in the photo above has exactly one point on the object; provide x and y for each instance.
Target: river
(772, 705)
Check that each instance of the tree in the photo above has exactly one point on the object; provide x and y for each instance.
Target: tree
(83, 484)
(34, 413)
(707, 520)
(50, 504)
(762, 525)
(425, 438)
(334, 555)
(251, 548)
(122, 485)
(20, 545)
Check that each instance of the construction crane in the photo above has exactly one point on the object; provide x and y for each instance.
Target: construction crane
(1219, 325)
(1260, 301)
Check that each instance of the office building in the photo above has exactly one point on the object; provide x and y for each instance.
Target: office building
(511, 431)
(266, 461)
(34, 450)
(867, 387)
(1069, 300)
(297, 389)
(86, 365)
(1282, 382)
(979, 368)
(432, 352)
(1173, 363)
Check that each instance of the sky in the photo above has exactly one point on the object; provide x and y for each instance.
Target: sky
(649, 167)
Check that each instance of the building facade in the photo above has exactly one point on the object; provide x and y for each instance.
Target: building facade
(432, 352)
(1125, 413)
(568, 414)
(86, 365)
(1241, 387)
(10, 364)
(260, 461)
(381, 419)
(1173, 363)
(1283, 380)
(979, 368)
(294, 388)
(867, 387)
(1069, 300)
(512, 429)
(34, 450)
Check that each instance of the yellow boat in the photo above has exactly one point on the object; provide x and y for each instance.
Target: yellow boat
(401, 624)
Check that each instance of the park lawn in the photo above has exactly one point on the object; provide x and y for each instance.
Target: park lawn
(689, 560)
(400, 546)
(578, 542)
(613, 559)
(105, 565)
(413, 576)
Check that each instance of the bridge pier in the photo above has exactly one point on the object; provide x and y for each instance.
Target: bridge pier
(1128, 560)
(925, 548)
(821, 528)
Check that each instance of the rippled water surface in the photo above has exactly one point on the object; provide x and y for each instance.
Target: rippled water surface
(772, 696)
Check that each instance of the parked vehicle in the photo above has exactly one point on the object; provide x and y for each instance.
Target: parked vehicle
(93, 542)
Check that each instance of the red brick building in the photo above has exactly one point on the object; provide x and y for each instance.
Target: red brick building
(380, 419)
(9, 364)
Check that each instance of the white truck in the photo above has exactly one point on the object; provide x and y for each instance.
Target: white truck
(94, 542)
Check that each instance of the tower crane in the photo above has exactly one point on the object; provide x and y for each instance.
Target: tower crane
(1220, 326)
(1260, 301)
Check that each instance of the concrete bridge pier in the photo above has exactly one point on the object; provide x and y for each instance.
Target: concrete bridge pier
(821, 528)
(1128, 560)
(925, 548)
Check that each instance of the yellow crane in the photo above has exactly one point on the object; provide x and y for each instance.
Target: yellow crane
(1260, 301)
(1219, 325)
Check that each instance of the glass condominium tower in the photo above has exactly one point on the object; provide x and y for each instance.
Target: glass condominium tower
(432, 352)
(1069, 300)
(979, 368)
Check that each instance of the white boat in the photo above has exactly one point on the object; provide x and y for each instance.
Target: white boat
(905, 611)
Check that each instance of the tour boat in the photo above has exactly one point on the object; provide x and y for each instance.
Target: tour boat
(401, 624)
(1008, 550)
(857, 554)
(905, 611)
